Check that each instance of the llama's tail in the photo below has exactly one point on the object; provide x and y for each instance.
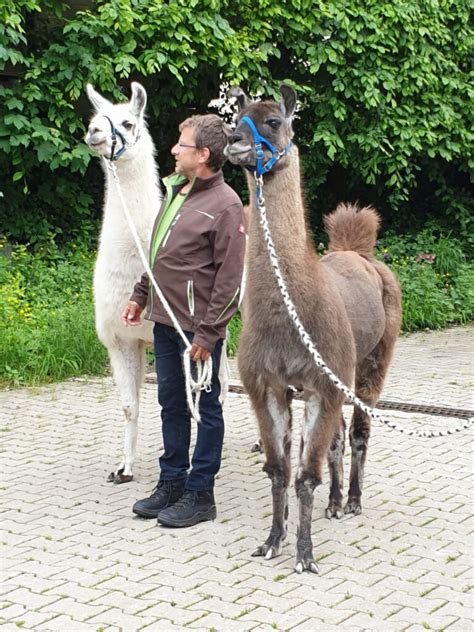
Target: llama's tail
(352, 228)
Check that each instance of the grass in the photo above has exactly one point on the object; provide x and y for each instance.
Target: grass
(436, 278)
(46, 306)
(48, 332)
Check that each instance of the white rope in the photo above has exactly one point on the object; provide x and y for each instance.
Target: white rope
(204, 369)
(308, 343)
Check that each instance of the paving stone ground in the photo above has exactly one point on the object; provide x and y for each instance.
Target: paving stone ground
(75, 558)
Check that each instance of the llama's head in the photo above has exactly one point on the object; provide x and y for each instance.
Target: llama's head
(272, 122)
(125, 120)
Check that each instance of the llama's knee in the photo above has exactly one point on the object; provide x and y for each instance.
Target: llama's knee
(360, 430)
(278, 474)
(305, 485)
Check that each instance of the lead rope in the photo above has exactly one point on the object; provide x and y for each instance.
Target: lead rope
(308, 343)
(204, 369)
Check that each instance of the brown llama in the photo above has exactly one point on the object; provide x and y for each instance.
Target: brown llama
(348, 302)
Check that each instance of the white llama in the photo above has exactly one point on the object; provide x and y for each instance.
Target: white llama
(118, 266)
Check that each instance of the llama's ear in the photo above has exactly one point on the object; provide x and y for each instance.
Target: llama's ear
(288, 105)
(97, 100)
(138, 100)
(239, 94)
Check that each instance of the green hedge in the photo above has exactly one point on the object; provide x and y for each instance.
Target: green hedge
(47, 315)
(386, 99)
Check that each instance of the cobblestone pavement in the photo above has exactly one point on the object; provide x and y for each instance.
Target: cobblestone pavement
(75, 558)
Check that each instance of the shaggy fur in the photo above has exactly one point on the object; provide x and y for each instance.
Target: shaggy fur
(118, 265)
(351, 228)
(350, 305)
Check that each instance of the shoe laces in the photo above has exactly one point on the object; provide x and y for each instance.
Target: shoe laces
(183, 501)
(159, 485)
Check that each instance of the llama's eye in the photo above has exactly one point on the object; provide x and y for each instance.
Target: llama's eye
(127, 125)
(274, 123)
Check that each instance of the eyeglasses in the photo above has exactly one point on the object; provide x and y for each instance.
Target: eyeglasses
(184, 145)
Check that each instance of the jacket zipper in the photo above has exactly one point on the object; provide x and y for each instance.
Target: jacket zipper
(150, 309)
(190, 292)
(169, 230)
(202, 213)
(229, 304)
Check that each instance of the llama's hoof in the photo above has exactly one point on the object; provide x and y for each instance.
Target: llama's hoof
(271, 548)
(334, 511)
(257, 447)
(306, 564)
(119, 477)
(353, 506)
(122, 478)
(266, 551)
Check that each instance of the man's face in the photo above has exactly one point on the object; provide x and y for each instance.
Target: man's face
(186, 155)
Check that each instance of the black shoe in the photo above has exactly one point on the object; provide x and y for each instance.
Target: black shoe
(165, 493)
(191, 508)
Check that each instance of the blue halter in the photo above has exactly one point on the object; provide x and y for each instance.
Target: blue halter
(258, 140)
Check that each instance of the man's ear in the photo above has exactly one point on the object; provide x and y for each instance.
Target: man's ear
(204, 155)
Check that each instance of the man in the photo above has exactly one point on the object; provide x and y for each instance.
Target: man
(196, 253)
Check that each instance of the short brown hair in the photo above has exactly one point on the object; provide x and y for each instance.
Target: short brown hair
(208, 132)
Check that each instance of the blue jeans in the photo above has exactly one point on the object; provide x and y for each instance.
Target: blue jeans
(176, 419)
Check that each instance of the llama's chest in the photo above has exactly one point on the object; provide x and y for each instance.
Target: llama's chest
(118, 267)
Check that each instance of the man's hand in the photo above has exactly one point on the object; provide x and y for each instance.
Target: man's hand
(199, 353)
(131, 314)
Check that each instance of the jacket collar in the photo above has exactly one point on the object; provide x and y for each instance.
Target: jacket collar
(176, 179)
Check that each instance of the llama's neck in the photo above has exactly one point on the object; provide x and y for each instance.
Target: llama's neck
(285, 212)
(139, 185)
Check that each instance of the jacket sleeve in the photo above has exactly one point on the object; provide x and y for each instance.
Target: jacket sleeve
(227, 240)
(141, 290)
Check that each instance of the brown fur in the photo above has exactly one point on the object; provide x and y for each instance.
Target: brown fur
(351, 228)
(349, 304)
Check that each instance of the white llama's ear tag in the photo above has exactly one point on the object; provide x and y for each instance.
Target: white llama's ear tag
(97, 100)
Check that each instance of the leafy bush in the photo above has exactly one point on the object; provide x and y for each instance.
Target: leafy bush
(437, 281)
(46, 305)
(46, 310)
(386, 112)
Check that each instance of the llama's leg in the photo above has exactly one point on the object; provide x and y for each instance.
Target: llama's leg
(370, 375)
(274, 418)
(336, 472)
(321, 422)
(128, 365)
(257, 446)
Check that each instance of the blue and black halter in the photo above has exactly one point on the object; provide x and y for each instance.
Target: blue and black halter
(261, 168)
(115, 133)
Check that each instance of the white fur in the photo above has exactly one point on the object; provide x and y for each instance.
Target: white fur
(312, 412)
(118, 266)
(280, 416)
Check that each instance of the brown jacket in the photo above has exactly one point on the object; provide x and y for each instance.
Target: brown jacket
(199, 264)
